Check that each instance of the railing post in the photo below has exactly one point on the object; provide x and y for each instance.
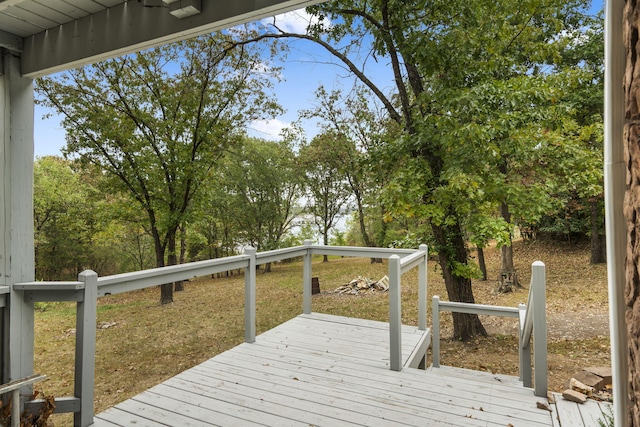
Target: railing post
(435, 333)
(15, 408)
(250, 296)
(539, 303)
(86, 317)
(395, 313)
(524, 350)
(306, 279)
(422, 290)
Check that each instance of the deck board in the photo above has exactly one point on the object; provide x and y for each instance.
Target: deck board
(325, 370)
(572, 414)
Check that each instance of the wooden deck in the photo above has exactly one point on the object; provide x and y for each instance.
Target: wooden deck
(333, 371)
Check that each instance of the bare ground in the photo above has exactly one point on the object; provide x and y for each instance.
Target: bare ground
(577, 315)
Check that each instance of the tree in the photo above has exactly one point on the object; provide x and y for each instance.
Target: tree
(360, 128)
(263, 181)
(586, 52)
(437, 52)
(158, 122)
(328, 192)
(62, 219)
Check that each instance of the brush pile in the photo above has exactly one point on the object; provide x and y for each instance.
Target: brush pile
(363, 285)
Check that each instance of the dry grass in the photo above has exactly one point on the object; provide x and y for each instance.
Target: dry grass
(147, 343)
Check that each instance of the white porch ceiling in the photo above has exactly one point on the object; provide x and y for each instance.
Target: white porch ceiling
(53, 35)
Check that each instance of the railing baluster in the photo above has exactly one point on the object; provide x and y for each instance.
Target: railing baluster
(306, 279)
(395, 313)
(435, 326)
(422, 290)
(250, 296)
(539, 305)
(524, 351)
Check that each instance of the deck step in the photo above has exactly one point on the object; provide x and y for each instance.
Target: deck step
(478, 376)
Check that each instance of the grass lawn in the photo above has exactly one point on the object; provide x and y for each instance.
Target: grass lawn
(141, 343)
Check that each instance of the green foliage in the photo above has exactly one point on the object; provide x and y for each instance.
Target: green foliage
(64, 222)
(327, 188)
(158, 122)
(263, 182)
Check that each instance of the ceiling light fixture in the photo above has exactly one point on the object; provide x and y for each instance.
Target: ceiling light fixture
(185, 8)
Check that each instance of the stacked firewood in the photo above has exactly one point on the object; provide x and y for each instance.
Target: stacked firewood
(590, 383)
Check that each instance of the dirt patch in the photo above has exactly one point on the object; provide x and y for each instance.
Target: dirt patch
(577, 315)
(568, 326)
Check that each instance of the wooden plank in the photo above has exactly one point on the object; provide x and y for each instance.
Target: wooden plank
(348, 366)
(159, 415)
(226, 413)
(118, 417)
(450, 371)
(406, 394)
(568, 413)
(607, 411)
(340, 344)
(419, 354)
(356, 399)
(591, 413)
(183, 413)
(272, 402)
(343, 407)
(380, 382)
(312, 330)
(339, 393)
(351, 321)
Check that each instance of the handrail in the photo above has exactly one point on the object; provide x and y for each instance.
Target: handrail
(397, 267)
(531, 318)
(118, 283)
(90, 287)
(280, 254)
(461, 307)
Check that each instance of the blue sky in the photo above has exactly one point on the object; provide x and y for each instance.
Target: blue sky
(306, 68)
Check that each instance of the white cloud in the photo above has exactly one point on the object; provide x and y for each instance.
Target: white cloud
(295, 21)
(268, 129)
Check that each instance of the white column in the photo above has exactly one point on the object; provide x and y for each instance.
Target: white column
(16, 215)
(615, 185)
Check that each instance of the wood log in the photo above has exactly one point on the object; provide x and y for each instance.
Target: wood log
(574, 396)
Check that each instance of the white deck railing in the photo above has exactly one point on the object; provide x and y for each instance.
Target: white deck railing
(532, 323)
(90, 287)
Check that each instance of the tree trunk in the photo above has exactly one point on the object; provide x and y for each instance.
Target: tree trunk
(166, 290)
(451, 251)
(631, 206)
(325, 241)
(363, 229)
(508, 279)
(179, 285)
(598, 249)
(172, 259)
(481, 263)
